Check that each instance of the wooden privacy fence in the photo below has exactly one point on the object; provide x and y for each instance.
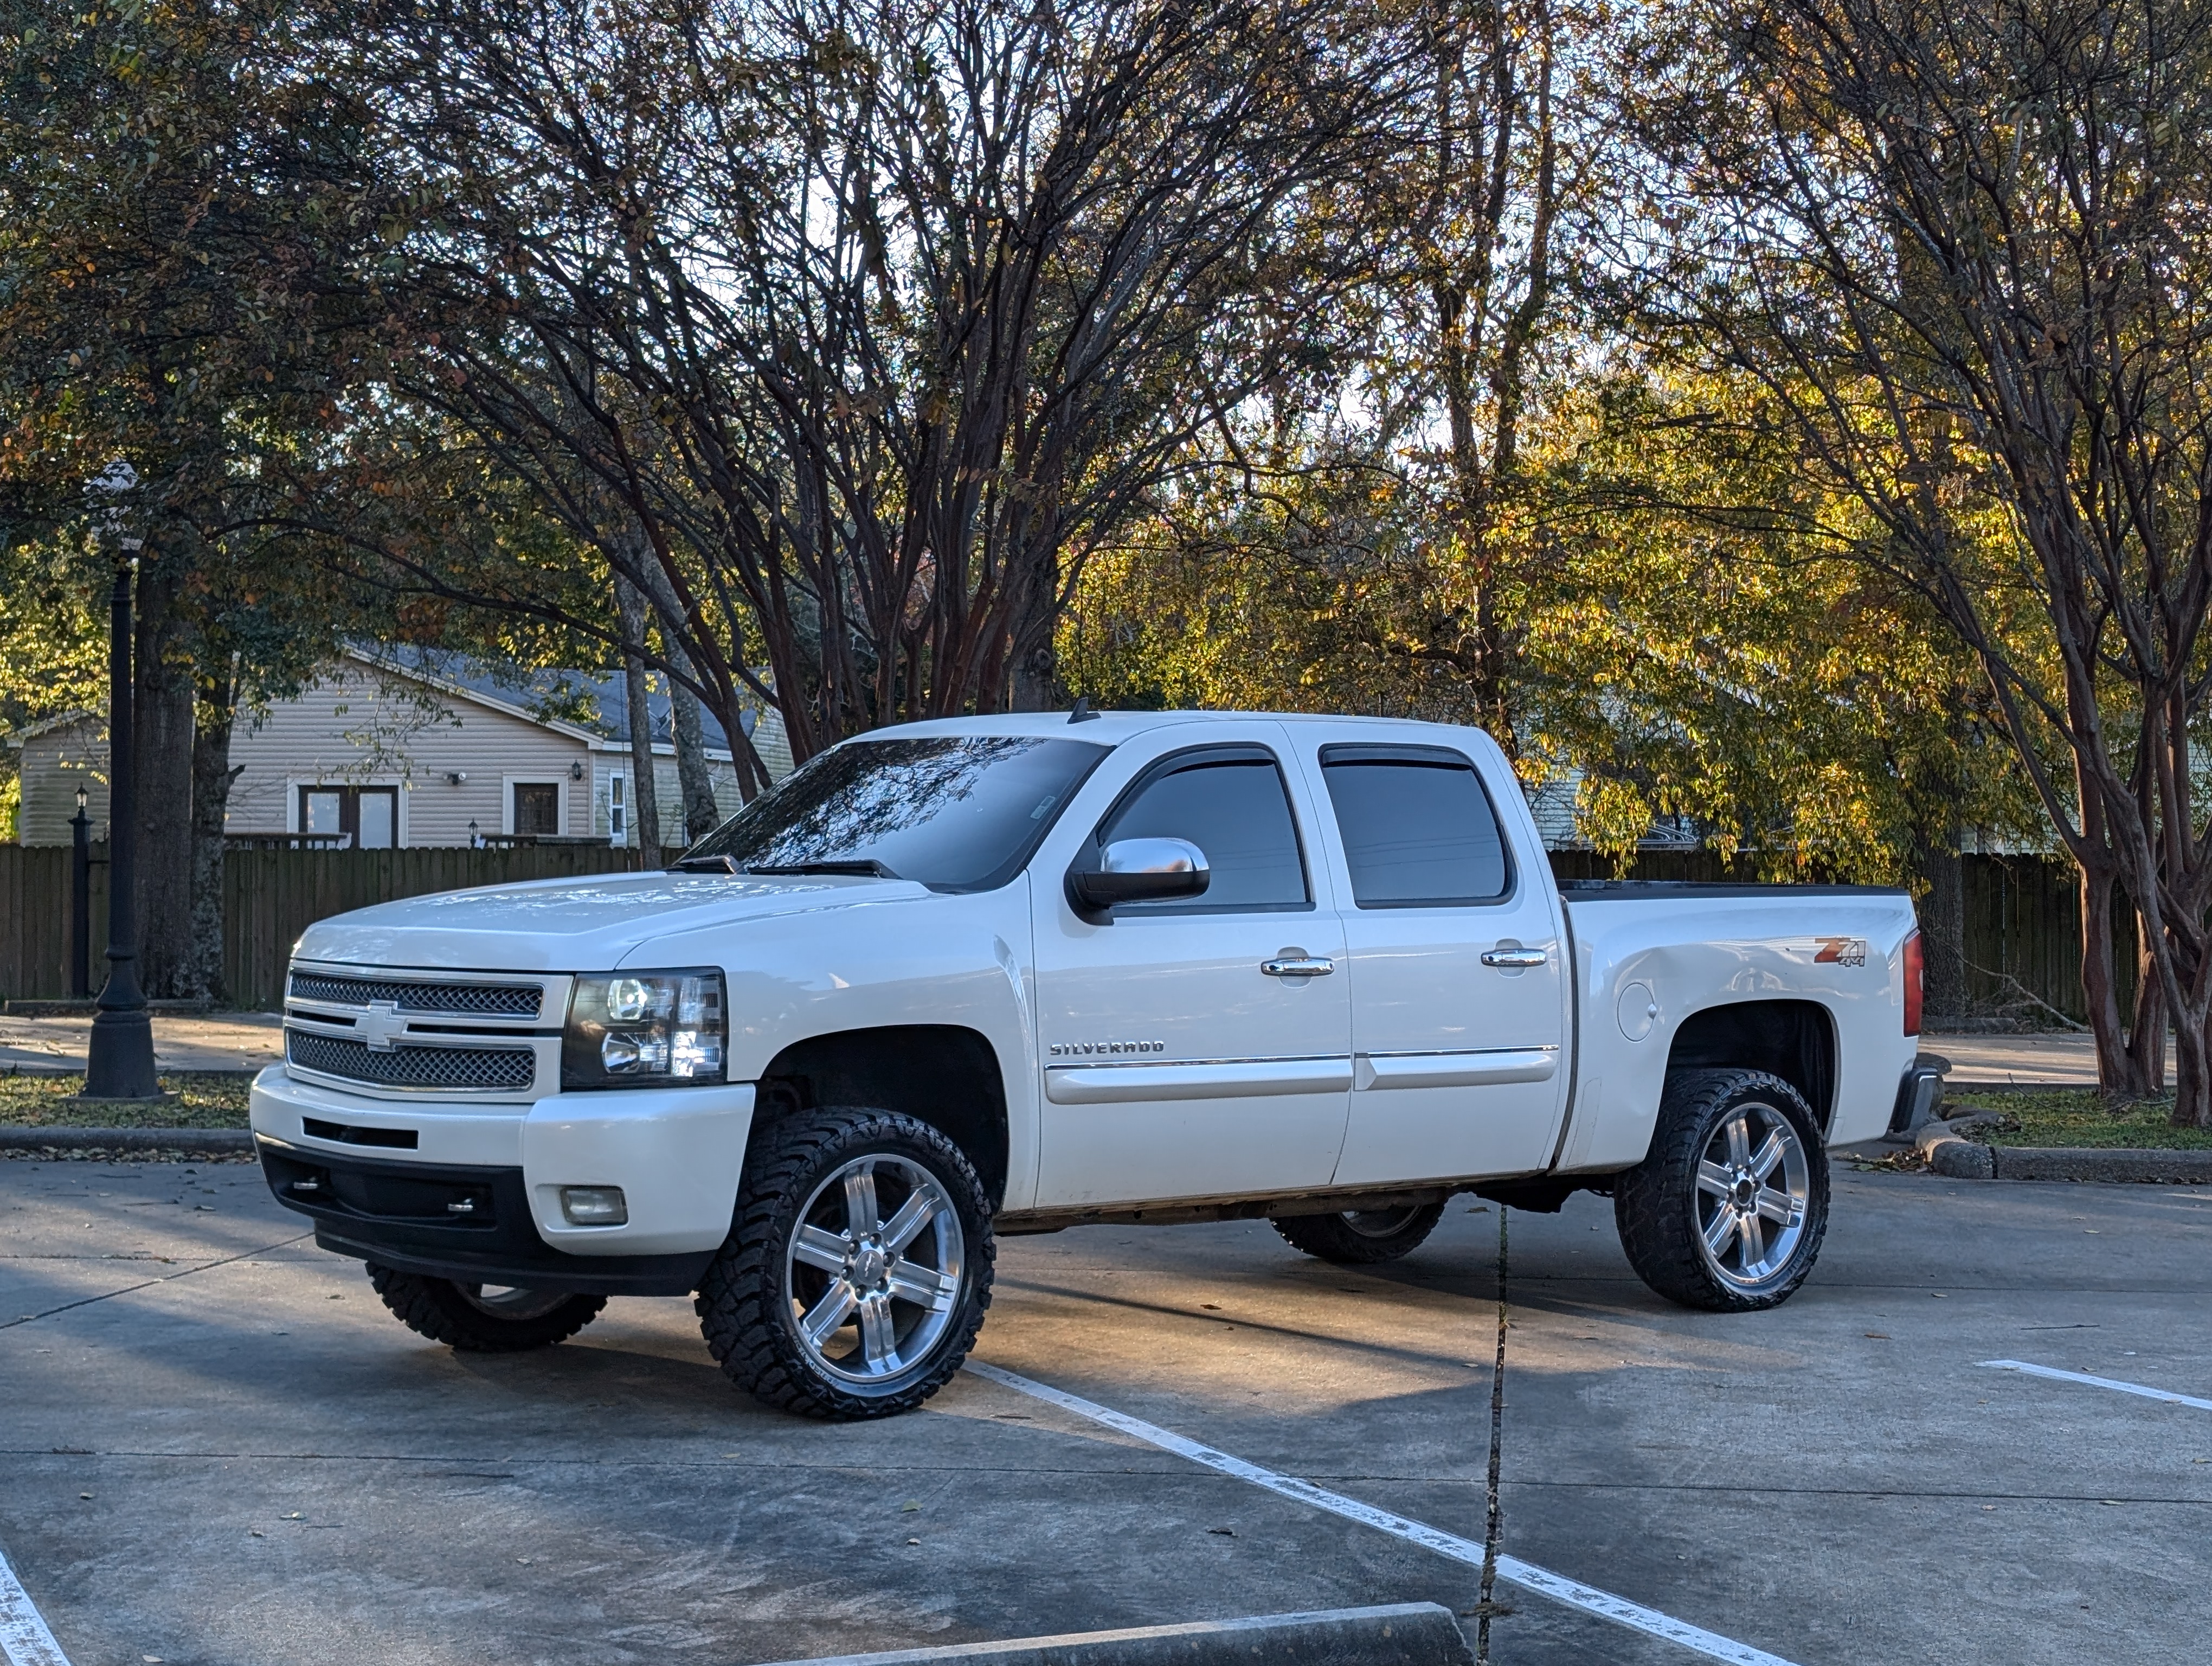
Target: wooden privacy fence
(2023, 931)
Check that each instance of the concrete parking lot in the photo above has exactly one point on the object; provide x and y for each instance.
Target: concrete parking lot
(215, 1447)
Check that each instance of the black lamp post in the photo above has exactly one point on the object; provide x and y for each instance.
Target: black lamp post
(119, 1062)
(79, 900)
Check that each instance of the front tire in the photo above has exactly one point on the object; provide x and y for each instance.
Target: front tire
(857, 1274)
(1727, 1211)
(478, 1320)
(1361, 1237)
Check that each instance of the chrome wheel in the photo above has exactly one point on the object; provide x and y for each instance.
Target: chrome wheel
(1381, 1223)
(874, 1271)
(1753, 1180)
(504, 1302)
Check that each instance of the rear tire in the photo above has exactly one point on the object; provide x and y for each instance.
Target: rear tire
(1727, 1211)
(1361, 1237)
(857, 1274)
(462, 1317)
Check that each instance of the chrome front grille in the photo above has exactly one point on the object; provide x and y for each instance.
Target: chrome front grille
(511, 1000)
(401, 1030)
(497, 1069)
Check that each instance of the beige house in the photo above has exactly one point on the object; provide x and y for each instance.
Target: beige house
(377, 755)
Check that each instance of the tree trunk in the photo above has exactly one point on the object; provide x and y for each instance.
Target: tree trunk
(644, 789)
(2147, 1035)
(701, 814)
(162, 756)
(2099, 990)
(1943, 937)
(213, 773)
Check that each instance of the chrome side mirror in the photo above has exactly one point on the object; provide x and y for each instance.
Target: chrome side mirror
(1139, 871)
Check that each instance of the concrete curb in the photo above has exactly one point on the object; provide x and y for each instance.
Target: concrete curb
(1950, 1154)
(1405, 1634)
(188, 1142)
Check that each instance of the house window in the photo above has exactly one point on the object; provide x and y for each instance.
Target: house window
(536, 808)
(618, 808)
(358, 817)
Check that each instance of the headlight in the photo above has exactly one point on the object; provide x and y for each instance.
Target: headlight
(644, 1029)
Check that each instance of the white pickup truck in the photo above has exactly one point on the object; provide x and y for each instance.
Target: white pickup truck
(959, 980)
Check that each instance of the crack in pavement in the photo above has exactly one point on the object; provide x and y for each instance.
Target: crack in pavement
(148, 1284)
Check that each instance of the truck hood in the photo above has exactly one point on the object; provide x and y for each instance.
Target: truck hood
(574, 925)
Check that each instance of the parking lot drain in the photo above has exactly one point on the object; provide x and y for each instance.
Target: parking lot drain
(24, 1637)
(1404, 1634)
(2112, 1382)
(1572, 1592)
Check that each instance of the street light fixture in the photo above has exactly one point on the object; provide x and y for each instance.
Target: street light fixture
(119, 1058)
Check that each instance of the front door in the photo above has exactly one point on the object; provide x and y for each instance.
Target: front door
(1199, 1048)
(1459, 1014)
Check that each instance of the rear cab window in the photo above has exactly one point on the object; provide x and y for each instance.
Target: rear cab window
(1418, 827)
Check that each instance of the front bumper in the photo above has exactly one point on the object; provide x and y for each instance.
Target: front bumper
(676, 1153)
(401, 1215)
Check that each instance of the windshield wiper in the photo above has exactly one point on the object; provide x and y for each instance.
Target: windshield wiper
(867, 865)
(705, 865)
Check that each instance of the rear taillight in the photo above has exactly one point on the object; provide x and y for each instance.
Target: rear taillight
(1912, 960)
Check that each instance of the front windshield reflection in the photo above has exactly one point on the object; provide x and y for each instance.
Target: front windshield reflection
(955, 812)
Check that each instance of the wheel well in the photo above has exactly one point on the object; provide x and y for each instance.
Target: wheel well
(940, 1074)
(1795, 1040)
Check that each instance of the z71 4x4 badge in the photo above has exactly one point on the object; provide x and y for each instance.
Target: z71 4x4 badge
(1840, 952)
(1082, 1049)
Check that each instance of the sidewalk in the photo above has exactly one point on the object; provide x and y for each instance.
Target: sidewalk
(2049, 1061)
(182, 1041)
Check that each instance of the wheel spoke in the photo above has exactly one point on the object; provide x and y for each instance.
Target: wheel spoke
(1770, 1153)
(1754, 1240)
(879, 1341)
(1714, 1179)
(910, 1281)
(1777, 1205)
(904, 1226)
(819, 1249)
(826, 1315)
(1739, 1139)
(1720, 1229)
(860, 1216)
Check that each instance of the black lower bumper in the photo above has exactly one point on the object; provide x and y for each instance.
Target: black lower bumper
(471, 1224)
(1918, 1096)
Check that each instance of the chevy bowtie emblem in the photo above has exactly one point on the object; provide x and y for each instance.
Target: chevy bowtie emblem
(381, 1026)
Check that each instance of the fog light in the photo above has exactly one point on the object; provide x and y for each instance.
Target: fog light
(594, 1206)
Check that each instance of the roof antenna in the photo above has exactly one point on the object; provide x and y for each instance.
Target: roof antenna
(1081, 712)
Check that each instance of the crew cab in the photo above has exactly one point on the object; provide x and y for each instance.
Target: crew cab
(955, 981)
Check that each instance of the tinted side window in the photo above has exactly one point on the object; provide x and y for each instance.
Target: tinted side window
(1416, 832)
(1237, 811)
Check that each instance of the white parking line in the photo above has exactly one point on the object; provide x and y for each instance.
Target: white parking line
(24, 1637)
(1527, 1575)
(2113, 1383)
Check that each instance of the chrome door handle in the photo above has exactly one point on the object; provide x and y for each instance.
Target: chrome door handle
(1305, 965)
(1516, 959)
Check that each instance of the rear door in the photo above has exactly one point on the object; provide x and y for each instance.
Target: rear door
(1459, 995)
(1201, 1047)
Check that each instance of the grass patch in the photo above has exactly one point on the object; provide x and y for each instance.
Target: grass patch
(209, 1099)
(2080, 1119)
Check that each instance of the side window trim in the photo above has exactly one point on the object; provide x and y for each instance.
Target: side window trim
(1405, 752)
(1235, 751)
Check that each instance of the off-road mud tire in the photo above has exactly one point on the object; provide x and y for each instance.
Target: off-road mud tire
(442, 1310)
(1341, 1239)
(1655, 1204)
(745, 1311)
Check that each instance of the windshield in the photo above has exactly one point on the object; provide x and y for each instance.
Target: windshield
(956, 812)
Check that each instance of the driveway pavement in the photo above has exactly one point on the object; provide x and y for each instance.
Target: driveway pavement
(218, 1448)
(182, 1041)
